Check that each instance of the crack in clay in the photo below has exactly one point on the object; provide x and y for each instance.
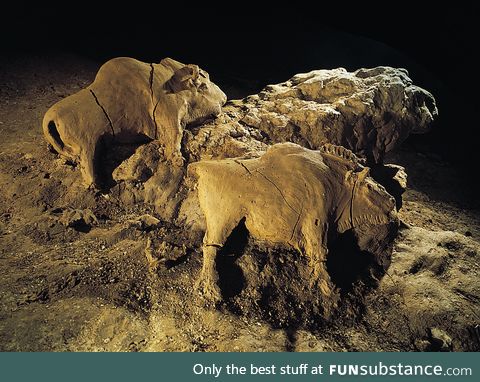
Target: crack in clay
(278, 189)
(296, 224)
(245, 167)
(155, 119)
(104, 111)
(150, 81)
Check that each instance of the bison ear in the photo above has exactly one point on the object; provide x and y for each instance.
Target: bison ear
(183, 79)
(194, 71)
(363, 174)
(352, 176)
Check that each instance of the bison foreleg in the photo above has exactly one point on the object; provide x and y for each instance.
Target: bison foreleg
(208, 282)
(316, 250)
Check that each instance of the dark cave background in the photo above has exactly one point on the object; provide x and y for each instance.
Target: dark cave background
(245, 47)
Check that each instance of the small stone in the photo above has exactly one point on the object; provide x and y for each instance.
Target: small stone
(56, 229)
(471, 253)
(440, 340)
(78, 219)
(422, 344)
(145, 222)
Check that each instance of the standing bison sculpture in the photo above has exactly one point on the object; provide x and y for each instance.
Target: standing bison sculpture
(297, 197)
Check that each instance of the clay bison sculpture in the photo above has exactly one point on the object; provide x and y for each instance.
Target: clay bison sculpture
(130, 99)
(297, 197)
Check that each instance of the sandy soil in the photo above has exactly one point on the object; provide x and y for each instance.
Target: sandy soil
(120, 282)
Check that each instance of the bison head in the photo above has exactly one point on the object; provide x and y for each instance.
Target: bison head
(371, 216)
(203, 99)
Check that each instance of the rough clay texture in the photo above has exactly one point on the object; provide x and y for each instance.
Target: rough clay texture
(129, 100)
(298, 198)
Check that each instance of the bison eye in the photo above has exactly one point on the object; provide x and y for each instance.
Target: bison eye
(202, 86)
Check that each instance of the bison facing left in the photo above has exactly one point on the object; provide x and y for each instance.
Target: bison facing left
(296, 197)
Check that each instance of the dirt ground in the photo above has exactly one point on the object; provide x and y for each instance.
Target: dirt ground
(81, 271)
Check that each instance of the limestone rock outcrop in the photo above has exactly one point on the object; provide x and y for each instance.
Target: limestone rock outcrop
(369, 111)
